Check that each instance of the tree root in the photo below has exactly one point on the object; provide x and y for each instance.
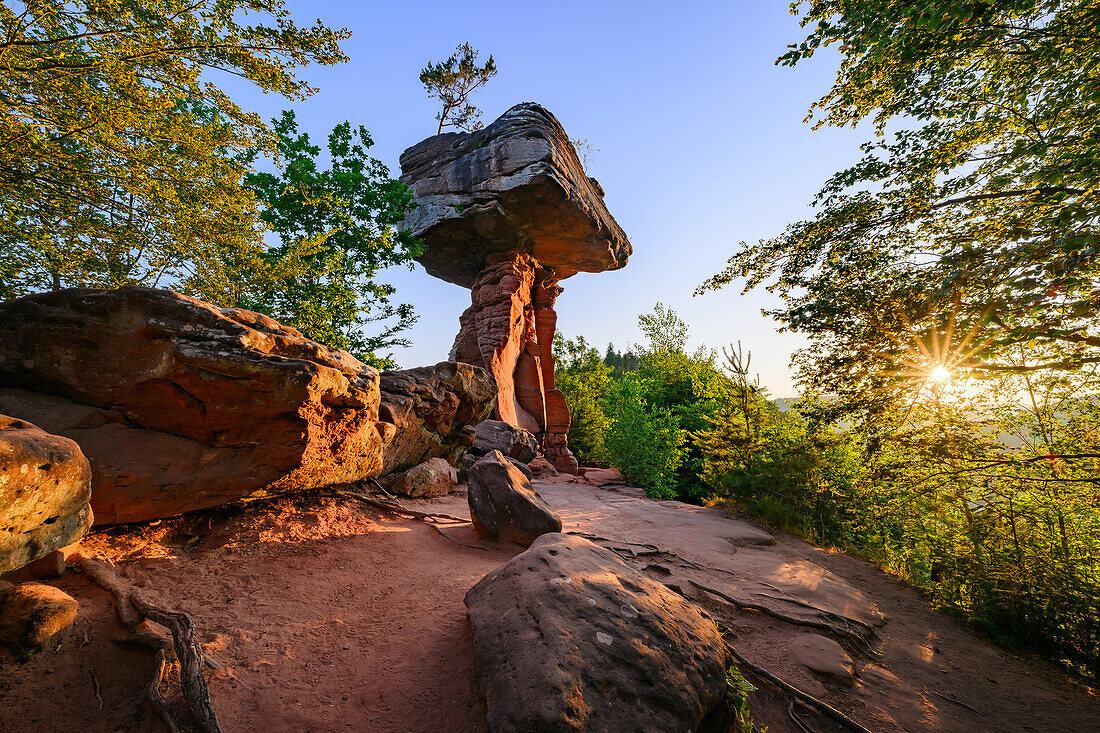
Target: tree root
(135, 612)
(189, 653)
(394, 506)
(818, 705)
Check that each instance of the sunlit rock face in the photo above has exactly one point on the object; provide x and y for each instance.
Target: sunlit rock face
(508, 212)
(179, 405)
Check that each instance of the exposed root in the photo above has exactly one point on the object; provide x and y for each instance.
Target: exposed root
(190, 656)
(134, 611)
(958, 702)
(797, 719)
(396, 507)
(818, 705)
(95, 688)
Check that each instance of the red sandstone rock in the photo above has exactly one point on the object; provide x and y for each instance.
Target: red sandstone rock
(179, 405)
(432, 411)
(45, 484)
(567, 637)
(30, 614)
(508, 211)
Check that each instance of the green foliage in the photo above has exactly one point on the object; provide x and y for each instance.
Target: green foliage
(452, 81)
(337, 228)
(586, 382)
(737, 690)
(947, 286)
(119, 152)
(620, 363)
(644, 441)
(966, 234)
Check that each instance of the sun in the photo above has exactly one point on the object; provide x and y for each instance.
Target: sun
(940, 374)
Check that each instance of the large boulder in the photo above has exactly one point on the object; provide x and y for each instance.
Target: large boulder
(180, 405)
(45, 485)
(503, 504)
(433, 409)
(515, 184)
(569, 638)
(434, 477)
(30, 614)
(513, 442)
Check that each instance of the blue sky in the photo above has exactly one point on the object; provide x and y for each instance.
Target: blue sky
(700, 142)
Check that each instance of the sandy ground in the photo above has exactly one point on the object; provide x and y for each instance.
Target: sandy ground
(326, 615)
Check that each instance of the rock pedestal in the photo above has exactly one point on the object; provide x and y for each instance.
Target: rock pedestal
(508, 212)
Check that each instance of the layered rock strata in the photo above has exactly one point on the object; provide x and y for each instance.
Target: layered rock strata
(508, 212)
(180, 405)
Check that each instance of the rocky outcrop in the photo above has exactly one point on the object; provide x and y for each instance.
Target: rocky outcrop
(503, 504)
(509, 212)
(569, 638)
(30, 614)
(45, 485)
(541, 468)
(433, 410)
(179, 405)
(513, 442)
(434, 477)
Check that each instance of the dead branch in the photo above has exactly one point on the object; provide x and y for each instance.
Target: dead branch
(397, 507)
(813, 702)
(189, 653)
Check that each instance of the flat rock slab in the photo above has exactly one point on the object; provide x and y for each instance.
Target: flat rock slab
(515, 184)
(569, 638)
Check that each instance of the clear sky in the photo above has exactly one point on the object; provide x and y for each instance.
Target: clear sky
(700, 142)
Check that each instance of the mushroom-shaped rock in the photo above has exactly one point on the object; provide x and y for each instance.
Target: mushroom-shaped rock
(503, 504)
(508, 212)
(515, 185)
(45, 485)
(180, 405)
(569, 638)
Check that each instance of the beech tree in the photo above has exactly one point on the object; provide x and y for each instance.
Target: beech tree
(966, 237)
(452, 81)
(119, 152)
(337, 229)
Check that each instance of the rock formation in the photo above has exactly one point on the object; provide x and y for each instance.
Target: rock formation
(45, 484)
(508, 212)
(179, 405)
(513, 442)
(30, 614)
(434, 477)
(503, 504)
(433, 410)
(569, 638)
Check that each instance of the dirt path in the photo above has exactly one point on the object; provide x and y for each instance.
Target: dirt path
(328, 616)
